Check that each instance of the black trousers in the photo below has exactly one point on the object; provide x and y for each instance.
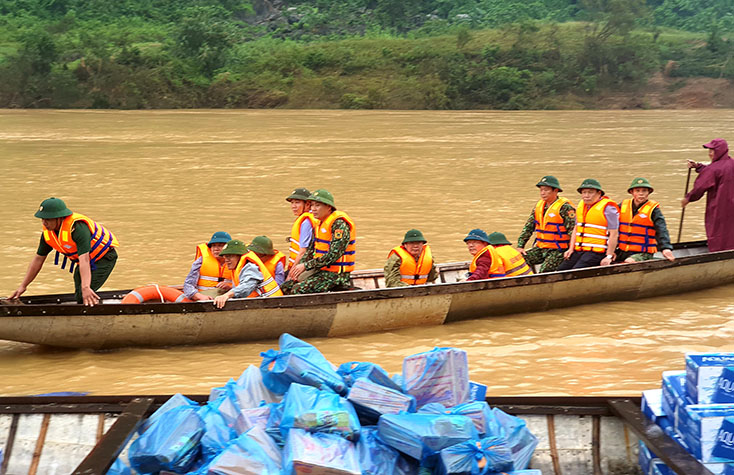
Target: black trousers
(581, 259)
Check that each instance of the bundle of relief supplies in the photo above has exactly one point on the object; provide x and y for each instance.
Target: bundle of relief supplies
(695, 408)
(300, 414)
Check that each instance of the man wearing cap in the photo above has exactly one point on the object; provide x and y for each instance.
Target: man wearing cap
(642, 229)
(302, 229)
(330, 258)
(486, 263)
(551, 221)
(250, 277)
(594, 237)
(209, 275)
(716, 180)
(80, 240)
(273, 259)
(411, 263)
(512, 260)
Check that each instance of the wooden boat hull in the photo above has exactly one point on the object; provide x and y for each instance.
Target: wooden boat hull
(43, 321)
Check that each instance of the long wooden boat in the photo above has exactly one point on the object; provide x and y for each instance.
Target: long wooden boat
(55, 320)
(85, 434)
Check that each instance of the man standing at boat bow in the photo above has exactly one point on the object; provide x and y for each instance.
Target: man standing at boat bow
(87, 244)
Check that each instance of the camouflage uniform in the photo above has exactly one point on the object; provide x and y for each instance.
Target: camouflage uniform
(549, 259)
(321, 280)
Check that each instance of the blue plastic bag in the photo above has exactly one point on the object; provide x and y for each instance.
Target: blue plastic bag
(371, 400)
(177, 400)
(170, 443)
(227, 406)
(354, 370)
(477, 411)
(217, 434)
(300, 362)
(313, 410)
(251, 391)
(489, 455)
(273, 426)
(243, 456)
(440, 375)
(520, 440)
(423, 435)
(375, 456)
(305, 453)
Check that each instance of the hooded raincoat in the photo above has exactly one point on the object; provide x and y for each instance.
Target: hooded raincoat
(717, 180)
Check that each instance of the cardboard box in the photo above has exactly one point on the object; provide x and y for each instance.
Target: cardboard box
(710, 377)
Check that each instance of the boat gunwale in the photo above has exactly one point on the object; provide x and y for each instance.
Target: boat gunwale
(349, 296)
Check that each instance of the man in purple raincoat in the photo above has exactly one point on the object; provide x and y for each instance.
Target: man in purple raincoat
(717, 180)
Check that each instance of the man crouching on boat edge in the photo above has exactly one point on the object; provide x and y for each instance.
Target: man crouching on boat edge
(80, 240)
(328, 262)
(250, 277)
(594, 237)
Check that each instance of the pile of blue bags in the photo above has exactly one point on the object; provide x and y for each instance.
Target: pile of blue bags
(299, 414)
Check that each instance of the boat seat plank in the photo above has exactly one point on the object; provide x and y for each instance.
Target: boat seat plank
(612, 443)
(573, 443)
(20, 459)
(70, 437)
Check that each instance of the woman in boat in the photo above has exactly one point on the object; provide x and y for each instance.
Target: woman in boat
(486, 264)
(302, 229)
(716, 180)
(411, 263)
(250, 277)
(209, 276)
(87, 244)
(642, 228)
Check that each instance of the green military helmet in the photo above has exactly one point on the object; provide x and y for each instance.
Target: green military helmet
(219, 237)
(261, 245)
(477, 235)
(235, 246)
(499, 239)
(52, 208)
(414, 236)
(299, 194)
(640, 182)
(549, 180)
(591, 184)
(323, 196)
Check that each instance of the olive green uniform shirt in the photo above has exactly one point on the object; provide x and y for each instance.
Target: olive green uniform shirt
(392, 272)
(568, 213)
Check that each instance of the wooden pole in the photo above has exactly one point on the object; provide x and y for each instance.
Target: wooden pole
(683, 211)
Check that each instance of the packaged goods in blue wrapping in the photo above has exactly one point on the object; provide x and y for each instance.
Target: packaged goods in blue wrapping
(375, 456)
(354, 370)
(117, 468)
(652, 404)
(243, 456)
(258, 416)
(440, 375)
(710, 377)
(267, 444)
(170, 443)
(707, 434)
(423, 435)
(658, 467)
(488, 455)
(314, 410)
(477, 392)
(177, 400)
(371, 400)
(298, 362)
(645, 456)
(675, 397)
(319, 454)
(227, 406)
(273, 426)
(217, 435)
(478, 411)
(521, 441)
(254, 392)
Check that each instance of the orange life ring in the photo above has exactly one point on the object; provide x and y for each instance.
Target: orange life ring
(156, 293)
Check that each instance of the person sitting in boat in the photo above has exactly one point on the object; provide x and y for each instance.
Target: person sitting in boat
(594, 237)
(209, 276)
(302, 229)
(273, 259)
(329, 260)
(486, 264)
(87, 244)
(250, 277)
(411, 263)
(512, 260)
(642, 229)
(551, 221)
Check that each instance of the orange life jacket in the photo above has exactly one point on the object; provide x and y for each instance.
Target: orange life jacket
(102, 241)
(550, 231)
(637, 233)
(272, 262)
(212, 271)
(592, 232)
(412, 272)
(322, 242)
(268, 287)
(513, 261)
(496, 269)
(295, 248)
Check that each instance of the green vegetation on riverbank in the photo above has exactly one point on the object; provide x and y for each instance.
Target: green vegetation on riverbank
(222, 53)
